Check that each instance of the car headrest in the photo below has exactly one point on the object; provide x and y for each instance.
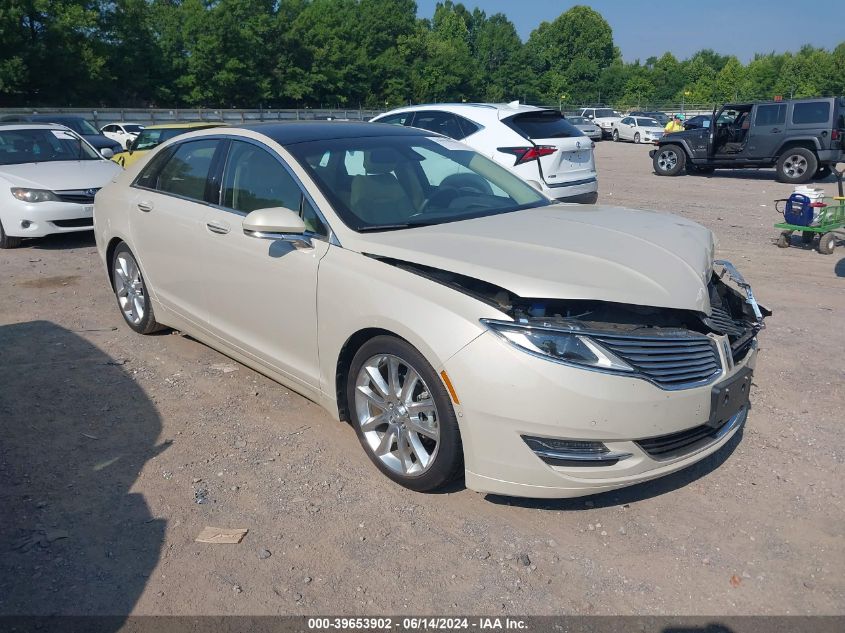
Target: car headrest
(382, 160)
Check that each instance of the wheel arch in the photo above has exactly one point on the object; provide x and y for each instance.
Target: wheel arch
(114, 242)
(809, 143)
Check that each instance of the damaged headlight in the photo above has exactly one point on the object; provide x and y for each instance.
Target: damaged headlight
(564, 346)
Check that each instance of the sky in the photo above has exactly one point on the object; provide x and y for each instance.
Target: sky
(642, 29)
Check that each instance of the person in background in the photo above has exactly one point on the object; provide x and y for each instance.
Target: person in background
(674, 125)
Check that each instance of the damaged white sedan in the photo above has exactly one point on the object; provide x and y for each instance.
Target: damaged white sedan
(459, 320)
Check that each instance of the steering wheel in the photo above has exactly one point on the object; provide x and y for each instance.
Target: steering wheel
(441, 197)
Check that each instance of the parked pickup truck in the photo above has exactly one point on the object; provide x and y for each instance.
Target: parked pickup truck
(802, 139)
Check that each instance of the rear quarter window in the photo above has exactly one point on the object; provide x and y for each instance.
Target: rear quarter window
(542, 124)
(811, 112)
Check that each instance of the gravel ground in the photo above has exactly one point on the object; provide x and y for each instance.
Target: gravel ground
(118, 449)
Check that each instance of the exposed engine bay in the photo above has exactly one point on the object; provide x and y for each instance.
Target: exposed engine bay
(732, 314)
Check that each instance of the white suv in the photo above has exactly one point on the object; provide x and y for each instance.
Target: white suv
(538, 144)
(605, 118)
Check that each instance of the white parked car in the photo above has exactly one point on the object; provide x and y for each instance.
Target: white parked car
(123, 133)
(48, 178)
(538, 144)
(638, 129)
(463, 323)
(605, 118)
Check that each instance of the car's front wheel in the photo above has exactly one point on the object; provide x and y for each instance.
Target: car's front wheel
(637, 137)
(133, 299)
(402, 415)
(797, 166)
(669, 160)
(8, 241)
(616, 135)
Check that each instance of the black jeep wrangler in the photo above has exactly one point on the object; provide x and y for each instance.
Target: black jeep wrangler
(802, 138)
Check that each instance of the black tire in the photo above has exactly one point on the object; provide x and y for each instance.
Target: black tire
(784, 239)
(797, 165)
(147, 324)
(637, 138)
(827, 242)
(615, 136)
(807, 237)
(8, 241)
(669, 160)
(823, 172)
(448, 457)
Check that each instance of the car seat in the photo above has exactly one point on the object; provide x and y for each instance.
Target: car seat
(378, 197)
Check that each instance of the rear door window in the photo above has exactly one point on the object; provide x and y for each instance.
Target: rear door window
(542, 124)
(444, 123)
(770, 115)
(186, 172)
(811, 112)
(403, 118)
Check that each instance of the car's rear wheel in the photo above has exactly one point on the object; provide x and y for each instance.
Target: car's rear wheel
(637, 137)
(616, 135)
(8, 241)
(402, 415)
(669, 160)
(797, 166)
(827, 242)
(131, 291)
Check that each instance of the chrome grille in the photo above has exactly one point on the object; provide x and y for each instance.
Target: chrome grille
(671, 361)
(78, 196)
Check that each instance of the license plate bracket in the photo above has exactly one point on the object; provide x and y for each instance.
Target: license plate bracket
(728, 397)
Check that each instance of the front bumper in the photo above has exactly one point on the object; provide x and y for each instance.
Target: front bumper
(46, 218)
(518, 395)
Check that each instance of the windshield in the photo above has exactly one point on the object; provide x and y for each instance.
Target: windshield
(132, 128)
(605, 112)
(647, 122)
(78, 125)
(150, 138)
(576, 120)
(41, 146)
(395, 182)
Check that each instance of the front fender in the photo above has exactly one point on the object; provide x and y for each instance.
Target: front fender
(356, 292)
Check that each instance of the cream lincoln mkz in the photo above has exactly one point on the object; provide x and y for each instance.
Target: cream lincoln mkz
(457, 318)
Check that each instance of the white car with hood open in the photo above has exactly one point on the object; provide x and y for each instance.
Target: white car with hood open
(456, 318)
(48, 178)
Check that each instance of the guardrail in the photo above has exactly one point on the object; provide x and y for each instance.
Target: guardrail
(151, 116)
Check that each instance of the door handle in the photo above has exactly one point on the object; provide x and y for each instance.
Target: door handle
(214, 227)
(146, 207)
(775, 130)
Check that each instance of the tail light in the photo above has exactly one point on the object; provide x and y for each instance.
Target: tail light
(834, 135)
(526, 154)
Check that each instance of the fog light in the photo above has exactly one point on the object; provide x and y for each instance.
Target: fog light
(25, 224)
(558, 452)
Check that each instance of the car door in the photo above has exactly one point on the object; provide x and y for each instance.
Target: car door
(167, 216)
(768, 125)
(262, 294)
(625, 127)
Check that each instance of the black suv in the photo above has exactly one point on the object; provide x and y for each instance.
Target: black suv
(802, 138)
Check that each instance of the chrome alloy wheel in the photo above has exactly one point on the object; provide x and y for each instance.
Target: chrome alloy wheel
(667, 159)
(129, 288)
(795, 166)
(397, 415)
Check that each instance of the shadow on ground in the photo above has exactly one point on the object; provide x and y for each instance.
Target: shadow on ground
(62, 241)
(76, 432)
(632, 494)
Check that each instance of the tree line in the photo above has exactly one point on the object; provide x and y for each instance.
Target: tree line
(357, 53)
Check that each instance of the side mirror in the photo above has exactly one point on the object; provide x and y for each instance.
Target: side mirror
(590, 116)
(106, 153)
(276, 223)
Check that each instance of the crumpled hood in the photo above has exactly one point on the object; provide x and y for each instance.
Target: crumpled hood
(61, 175)
(566, 252)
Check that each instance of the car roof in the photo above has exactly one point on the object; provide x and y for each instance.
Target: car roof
(480, 111)
(291, 132)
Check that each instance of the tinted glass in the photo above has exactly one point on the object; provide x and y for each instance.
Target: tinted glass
(647, 123)
(41, 146)
(770, 114)
(811, 112)
(148, 139)
(443, 123)
(396, 119)
(186, 172)
(381, 183)
(605, 112)
(133, 129)
(468, 127)
(542, 124)
(149, 175)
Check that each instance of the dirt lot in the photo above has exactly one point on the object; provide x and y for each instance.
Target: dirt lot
(118, 449)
